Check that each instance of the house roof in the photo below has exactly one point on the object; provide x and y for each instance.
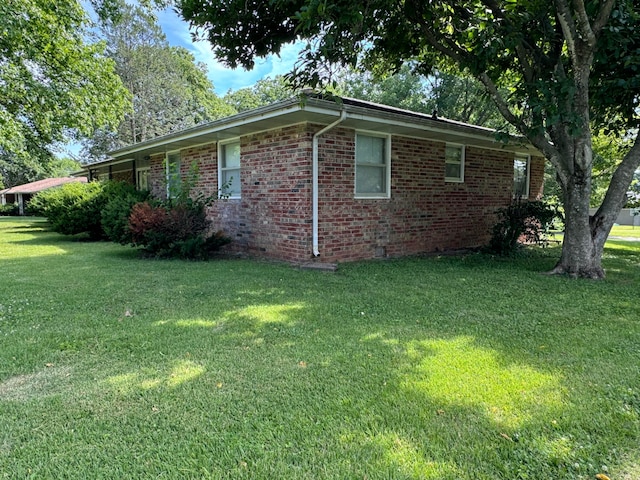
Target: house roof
(317, 109)
(35, 187)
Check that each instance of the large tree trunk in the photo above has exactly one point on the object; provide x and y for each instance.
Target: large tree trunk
(583, 242)
(585, 235)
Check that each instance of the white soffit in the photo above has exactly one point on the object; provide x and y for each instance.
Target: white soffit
(360, 115)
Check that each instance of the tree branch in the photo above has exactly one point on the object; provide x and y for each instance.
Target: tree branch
(568, 27)
(603, 17)
(539, 141)
(450, 48)
(500, 103)
(615, 197)
(520, 48)
(585, 33)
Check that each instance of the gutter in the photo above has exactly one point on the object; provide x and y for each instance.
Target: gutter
(242, 118)
(314, 181)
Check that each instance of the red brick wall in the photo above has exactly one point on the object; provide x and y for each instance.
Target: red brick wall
(425, 213)
(157, 183)
(536, 178)
(124, 176)
(273, 217)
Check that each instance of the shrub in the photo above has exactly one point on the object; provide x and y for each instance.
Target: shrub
(174, 230)
(9, 210)
(527, 221)
(76, 208)
(71, 208)
(117, 210)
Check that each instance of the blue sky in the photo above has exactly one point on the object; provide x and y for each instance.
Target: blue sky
(224, 78)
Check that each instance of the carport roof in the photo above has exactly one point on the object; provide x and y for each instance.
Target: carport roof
(38, 186)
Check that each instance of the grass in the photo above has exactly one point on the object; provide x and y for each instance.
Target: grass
(464, 367)
(625, 231)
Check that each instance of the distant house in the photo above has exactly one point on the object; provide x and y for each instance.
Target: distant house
(316, 179)
(21, 194)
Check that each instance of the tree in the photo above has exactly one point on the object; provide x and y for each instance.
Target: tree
(170, 91)
(570, 67)
(608, 151)
(457, 97)
(21, 169)
(63, 167)
(403, 89)
(264, 92)
(53, 84)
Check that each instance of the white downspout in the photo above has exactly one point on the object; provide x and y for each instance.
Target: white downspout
(314, 181)
(166, 175)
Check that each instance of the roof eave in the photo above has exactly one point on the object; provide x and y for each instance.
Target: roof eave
(318, 110)
(211, 127)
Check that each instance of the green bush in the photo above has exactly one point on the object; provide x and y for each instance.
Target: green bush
(523, 220)
(9, 210)
(116, 212)
(174, 229)
(72, 208)
(76, 208)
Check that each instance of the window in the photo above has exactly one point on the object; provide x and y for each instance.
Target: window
(454, 163)
(229, 169)
(521, 165)
(173, 174)
(373, 172)
(142, 178)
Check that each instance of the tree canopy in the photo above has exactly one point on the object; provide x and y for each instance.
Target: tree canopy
(264, 92)
(19, 170)
(53, 84)
(556, 70)
(457, 97)
(169, 90)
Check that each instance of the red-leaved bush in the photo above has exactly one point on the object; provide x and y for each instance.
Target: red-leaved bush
(181, 230)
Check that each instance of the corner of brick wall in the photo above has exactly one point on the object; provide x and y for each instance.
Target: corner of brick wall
(424, 214)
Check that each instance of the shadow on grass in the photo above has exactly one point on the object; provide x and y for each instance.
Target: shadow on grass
(293, 394)
(412, 405)
(419, 368)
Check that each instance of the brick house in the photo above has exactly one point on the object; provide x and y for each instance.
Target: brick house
(21, 194)
(316, 179)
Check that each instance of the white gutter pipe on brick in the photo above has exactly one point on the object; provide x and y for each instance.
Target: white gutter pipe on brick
(314, 176)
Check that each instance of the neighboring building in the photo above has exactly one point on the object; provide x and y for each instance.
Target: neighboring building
(626, 216)
(21, 194)
(338, 181)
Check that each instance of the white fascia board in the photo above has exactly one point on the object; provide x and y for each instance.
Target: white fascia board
(216, 126)
(105, 163)
(463, 132)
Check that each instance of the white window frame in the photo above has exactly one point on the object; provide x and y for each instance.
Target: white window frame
(221, 169)
(459, 179)
(527, 159)
(140, 170)
(168, 173)
(386, 165)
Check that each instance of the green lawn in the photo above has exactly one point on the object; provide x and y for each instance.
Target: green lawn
(426, 368)
(625, 231)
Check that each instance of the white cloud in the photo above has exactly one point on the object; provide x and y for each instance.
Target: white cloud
(223, 77)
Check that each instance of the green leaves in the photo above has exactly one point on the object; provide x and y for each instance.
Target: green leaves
(52, 83)
(264, 92)
(170, 90)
